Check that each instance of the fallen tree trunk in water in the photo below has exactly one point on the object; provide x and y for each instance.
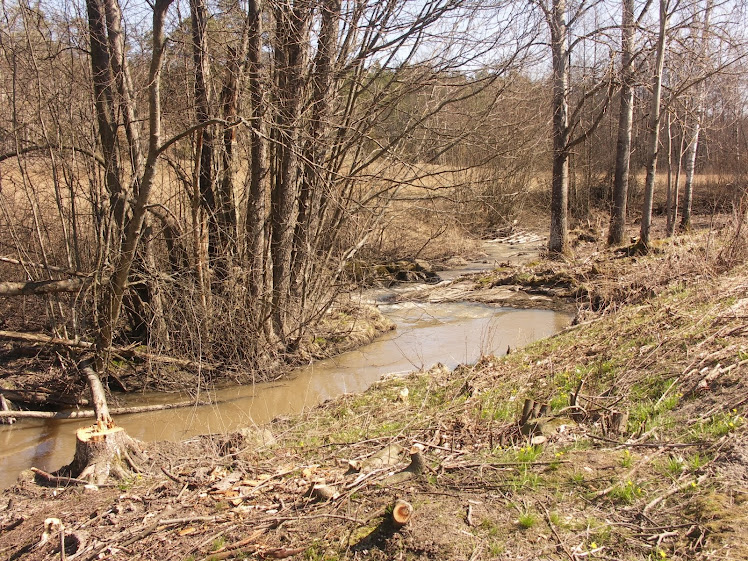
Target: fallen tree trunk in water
(89, 414)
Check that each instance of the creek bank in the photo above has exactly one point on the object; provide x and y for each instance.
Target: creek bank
(37, 376)
(391, 273)
(670, 484)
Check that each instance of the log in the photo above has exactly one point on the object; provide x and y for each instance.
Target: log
(34, 288)
(42, 266)
(42, 397)
(89, 414)
(401, 513)
(45, 339)
(98, 395)
(122, 351)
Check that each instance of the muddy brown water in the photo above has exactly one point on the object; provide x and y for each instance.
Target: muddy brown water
(426, 334)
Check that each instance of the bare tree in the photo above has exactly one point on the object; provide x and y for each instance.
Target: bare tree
(694, 124)
(625, 120)
(654, 124)
(566, 124)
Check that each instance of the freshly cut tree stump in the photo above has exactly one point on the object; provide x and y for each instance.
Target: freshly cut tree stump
(102, 452)
(401, 513)
(416, 467)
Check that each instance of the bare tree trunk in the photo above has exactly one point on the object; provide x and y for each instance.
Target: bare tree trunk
(204, 155)
(625, 120)
(315, 149)
(676, 188)
(694, 128)
(101, 76)
(230, 104)
(121, 72)
(124, 260)
(670, 186)
(290, 30)
(690, 167)
(258, 173)
(558, 242)
(654, 127)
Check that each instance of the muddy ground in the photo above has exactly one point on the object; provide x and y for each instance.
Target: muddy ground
(636, 449)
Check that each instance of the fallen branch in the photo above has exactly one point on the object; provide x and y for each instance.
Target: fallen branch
(281, 552)
(561, 542)
(171, 476)
(57, 480)
(230, 549)
(42, 266)
(191, 519)
(672, 491)
(628, 476)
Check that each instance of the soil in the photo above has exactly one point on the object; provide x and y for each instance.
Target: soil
(660, 338)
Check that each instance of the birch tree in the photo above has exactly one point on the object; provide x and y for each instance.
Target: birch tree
(655, 111)
(625, 119)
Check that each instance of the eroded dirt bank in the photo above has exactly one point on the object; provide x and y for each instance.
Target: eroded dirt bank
(637, 447)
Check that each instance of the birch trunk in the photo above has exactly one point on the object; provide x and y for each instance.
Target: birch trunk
(654, 127)
(559, 242)
(625, 120)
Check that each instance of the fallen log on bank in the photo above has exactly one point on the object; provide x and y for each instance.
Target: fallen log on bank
(43, 398)
(121, 351)
(89, 414)
(42, 287)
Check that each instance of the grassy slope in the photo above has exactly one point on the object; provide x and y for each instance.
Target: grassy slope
(668, 345)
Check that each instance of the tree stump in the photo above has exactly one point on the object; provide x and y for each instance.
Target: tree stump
(401, 513)
(102, 452)
(416, 467)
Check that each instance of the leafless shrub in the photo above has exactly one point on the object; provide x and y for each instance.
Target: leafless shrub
(735, 250)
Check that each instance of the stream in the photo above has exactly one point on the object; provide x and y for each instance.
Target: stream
(426, 334)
